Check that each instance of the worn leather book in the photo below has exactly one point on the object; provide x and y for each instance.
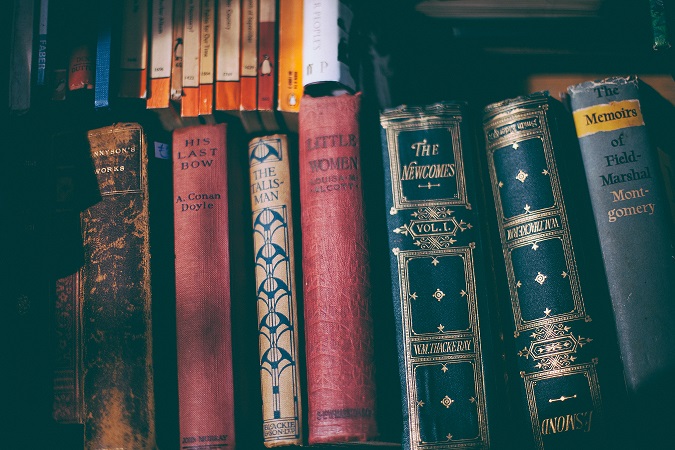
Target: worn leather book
(75, 189)
(633, 220)
(203, 316)
(336, 273)
(248, 70)
(116, 298)
(440, 277)
(276, 290)
(133, 81)
(561, 359)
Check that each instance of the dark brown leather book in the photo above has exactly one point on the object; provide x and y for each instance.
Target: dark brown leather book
(118, 379)
(335, 263)
(203, 320)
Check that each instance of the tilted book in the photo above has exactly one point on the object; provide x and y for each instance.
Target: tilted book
(276, 290)
(633, 220)
(336, 272)
(557, 355)
(119, 407)
(203, 316)
(439, 277)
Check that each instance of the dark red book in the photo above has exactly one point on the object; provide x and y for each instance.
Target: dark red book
(204, 341)
(338, 322)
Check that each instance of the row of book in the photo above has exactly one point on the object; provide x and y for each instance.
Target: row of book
(245, 57)
(535, 317)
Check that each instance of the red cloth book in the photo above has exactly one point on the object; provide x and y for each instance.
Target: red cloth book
(203, 322)
(338, 322)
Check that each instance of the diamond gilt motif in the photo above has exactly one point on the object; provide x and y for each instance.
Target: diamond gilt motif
(553, 347)
(438, 295)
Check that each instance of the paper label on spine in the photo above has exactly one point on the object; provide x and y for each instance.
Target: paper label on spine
(608, 117)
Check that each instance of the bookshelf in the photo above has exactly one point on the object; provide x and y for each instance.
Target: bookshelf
(427, 52)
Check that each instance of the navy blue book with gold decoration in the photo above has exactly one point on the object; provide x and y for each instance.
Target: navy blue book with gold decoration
(439, 278)
(561, 357)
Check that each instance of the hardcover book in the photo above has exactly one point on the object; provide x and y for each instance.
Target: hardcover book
(633, 220)
(116, 298)
(227, 57)
(325, 51)
(133, 81)
(189, 102)
(161, 50)
(203, 316)
(336, 273)
(276, 290)
(558, 357)
(75, 189)
(439, 277)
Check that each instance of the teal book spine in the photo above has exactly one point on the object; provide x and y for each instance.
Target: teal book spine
(439, 278)
(633, 220)
(556, 338)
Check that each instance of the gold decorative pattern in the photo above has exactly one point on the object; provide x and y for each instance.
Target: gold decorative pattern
(447, 401)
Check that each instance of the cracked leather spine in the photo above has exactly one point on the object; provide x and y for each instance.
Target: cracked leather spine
(116, 298)
(335, 264)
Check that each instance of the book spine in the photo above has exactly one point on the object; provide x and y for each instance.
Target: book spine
(203, 321)
(161, 49)
(133, 81)
(270, 177)
(227, 57)
(67, 406)
(555, 342)
(290, 55)
(116, 297)
(267, 56)
(42, 43)
(207, 57)
(104, 25)
(191, 58)
(21, 50)
(633, 221)
(335, 263)
(438, 276)
(326, 32)
(178, 50)
(249, 55)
